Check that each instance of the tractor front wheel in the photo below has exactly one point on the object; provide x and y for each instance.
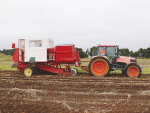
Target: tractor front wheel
(133, 71)
(28, 71)
(99, 67)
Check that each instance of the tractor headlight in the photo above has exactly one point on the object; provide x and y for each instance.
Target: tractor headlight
(133, 61)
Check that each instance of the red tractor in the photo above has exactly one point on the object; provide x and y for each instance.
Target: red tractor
(108, 59)
(40, 54)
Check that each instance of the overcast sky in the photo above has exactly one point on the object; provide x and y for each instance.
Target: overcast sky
(85, 23)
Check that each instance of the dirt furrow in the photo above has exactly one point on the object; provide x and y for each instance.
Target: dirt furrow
(53, 93)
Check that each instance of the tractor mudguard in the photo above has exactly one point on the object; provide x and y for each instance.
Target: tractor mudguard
(101, 57)
(127, 66)
(133, 70)
(130, 64)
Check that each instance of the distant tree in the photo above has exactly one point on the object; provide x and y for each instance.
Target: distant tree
(148, 53)
(136, 54)
(125, 52)
(93, 51)
(131, 53)
(8, 51)
(87, 52)
(4, 51)
(142, 52)
(82, 53)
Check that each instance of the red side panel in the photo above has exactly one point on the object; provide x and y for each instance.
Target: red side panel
(64, 53)
(76, 55)
(15, 57)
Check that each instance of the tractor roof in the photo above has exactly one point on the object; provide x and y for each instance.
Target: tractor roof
(107, 45)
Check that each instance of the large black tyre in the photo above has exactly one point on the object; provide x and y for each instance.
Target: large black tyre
(99, 66)
(133, 71)
(28, 71)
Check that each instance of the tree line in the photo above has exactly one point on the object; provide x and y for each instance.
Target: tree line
(8, 51)
(141, 53)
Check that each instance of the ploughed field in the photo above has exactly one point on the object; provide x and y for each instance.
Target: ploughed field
(73, 94)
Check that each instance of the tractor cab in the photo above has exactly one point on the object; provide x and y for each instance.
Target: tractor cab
(110, 51)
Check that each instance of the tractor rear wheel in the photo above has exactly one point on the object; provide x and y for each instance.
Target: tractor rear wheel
(133, 71)
(99, 67)
(28, 71)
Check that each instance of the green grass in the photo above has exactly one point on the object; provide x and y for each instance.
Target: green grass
(7, 68)
(146, 71)
(3, 56)
(6, 63)
(7, 57)
(85, 59)
(79, 69)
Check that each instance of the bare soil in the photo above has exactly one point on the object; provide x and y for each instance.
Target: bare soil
(79, 94)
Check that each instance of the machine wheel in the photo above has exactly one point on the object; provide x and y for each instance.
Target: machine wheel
(28, 71)
(133, 71)
(73, 72)
(99, 67)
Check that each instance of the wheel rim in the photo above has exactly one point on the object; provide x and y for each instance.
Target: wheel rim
(99, 68)
(73, 72)
(28, 72)
(133, 71)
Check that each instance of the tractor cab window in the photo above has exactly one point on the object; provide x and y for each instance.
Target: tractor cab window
(102, 51)
(111, 51)
(106, 51)
(111, 54)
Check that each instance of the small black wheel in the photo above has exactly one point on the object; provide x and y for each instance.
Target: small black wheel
(28, 71)
(73, 72)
